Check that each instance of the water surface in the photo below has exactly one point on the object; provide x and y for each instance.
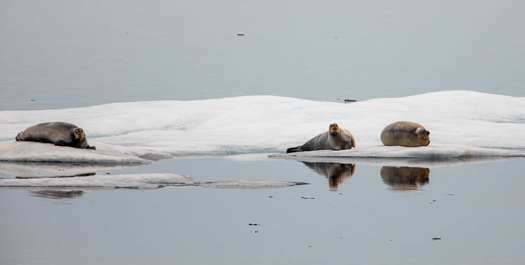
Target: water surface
(467, 214)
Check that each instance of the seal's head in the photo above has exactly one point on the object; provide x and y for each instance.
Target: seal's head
(423, 135)
(78, 133)
(334, 129)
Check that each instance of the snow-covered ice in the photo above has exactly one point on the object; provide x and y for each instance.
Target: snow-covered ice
(41, 170)
(462, 124)
(132, 181)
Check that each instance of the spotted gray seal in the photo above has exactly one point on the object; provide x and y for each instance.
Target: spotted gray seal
(57, 133)
(405, 133)
(334, 139)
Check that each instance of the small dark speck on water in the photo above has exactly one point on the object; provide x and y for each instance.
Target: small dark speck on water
(271, 196)
(436, 238)
(107, 173)
(256, 232)
(450, 194)
(32, 100)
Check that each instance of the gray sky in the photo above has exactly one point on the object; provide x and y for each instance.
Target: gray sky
(106, 51)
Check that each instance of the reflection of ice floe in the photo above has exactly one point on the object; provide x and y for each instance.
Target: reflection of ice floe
(137, 181)
(335, 173)
(405, 178)
(430, 156)
(41, 169)
(249, 184)
(57, 194)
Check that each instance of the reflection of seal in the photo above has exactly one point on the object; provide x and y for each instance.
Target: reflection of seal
(57, 133)
(405, 178)
(405, 133)
(335, 173)
(334, 139)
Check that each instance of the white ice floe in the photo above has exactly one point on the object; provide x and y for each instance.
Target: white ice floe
(134, 181)
(462, 123)
(439, 154)
(42, 152)
(137, 181)
(44, 169)
(394, 161)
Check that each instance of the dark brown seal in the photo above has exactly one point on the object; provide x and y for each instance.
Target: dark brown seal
(57, 133)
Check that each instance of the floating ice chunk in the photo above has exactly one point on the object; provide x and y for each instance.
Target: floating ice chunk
(397, 162)
(429, 156)
(436, 151)
(138, 181)
(43, 169)
(134, 181)
(43, 152)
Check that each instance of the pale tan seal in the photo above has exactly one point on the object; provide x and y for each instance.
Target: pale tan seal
(405, 133)
(57, 133)
(334, 139)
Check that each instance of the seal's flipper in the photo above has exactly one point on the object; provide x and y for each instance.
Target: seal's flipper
(60, 143)
(91, 147)
(294, 149)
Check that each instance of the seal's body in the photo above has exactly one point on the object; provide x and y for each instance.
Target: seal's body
(334, 139)
(405, 133)
(57, 133)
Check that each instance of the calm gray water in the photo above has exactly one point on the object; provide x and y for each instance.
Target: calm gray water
(64, 54)
(370, 218)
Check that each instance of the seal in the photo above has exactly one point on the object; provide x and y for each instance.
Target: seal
(405, 133)
(334, 139)
(57, 133)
